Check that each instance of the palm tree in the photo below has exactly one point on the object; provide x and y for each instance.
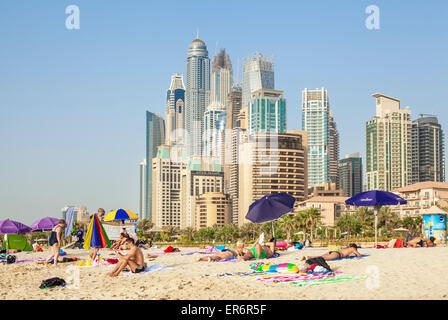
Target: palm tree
(189, 232)
(287, 223)
(145, 225)
(313, 217)
(301, 221)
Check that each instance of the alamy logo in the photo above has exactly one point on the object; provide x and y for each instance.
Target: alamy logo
(373, 20)
(72, 22)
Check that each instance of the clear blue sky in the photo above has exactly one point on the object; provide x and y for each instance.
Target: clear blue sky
(73, 102)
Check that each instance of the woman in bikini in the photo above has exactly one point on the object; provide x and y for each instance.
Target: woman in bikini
(341, 253)
(55, 242)
(235, 251)
(259, 251)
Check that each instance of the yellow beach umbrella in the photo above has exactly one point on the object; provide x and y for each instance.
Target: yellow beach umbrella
(121, 214)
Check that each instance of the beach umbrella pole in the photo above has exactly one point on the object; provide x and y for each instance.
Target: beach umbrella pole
(375, 210)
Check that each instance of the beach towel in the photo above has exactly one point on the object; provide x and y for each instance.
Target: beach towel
(351, 257)
(399, 243)
(235, 259)
(153, 268)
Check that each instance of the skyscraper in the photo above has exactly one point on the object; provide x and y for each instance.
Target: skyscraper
(214, 118)
(333, 152)
(428, 156)
(155, 136)
(258, 73)
(175, 112)
(197, 94)
(267, 111)
(142, 195)
(222, 77)
(350, 174)
(271, 163)
(316, 121)
(388, 145)
(234, 101)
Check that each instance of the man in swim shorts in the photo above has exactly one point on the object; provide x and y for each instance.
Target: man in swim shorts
(341, 253)
(134, 259)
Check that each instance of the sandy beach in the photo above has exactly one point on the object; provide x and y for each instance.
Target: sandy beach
(402, 274)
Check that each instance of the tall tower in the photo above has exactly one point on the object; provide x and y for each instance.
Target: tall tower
(258, 73)
(333, 152)
(197, 94)
(350, 174)
(175, 112)
(428, 156)
(316, 121)
(155, 136)
(267, 111)
(388, 145)
(222, 77)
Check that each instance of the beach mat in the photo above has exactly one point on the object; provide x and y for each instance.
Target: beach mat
(351, 257)
(234, 259)
(153, 268)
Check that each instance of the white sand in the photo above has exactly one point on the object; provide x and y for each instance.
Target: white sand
(403, 274)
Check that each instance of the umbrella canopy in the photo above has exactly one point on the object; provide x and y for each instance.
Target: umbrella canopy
(44, 224)
(121, 214)
(375, 198)
(11, 226)
(271, 207)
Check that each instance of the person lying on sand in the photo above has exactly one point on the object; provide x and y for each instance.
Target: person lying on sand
(134, 259)
(236, 251)
(419, 242)
(259, 250)
(341, 253)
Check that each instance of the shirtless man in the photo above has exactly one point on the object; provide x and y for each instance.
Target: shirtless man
(120, 243)
(134, 259)
(341, 253)
(419, 242)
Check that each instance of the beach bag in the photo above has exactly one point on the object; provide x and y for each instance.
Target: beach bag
(169, 249)
(10, 259)
(320, 262)
(52, 282)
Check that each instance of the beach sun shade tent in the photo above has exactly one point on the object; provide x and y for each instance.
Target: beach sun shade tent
(44, 224)
(16, 241)
(375, 199)
(121, 214)
(96, 237)
(10, 226)
(270, 208)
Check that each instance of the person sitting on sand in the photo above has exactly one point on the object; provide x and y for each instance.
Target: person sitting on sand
(341, 253)
(134, 259)
(55, 242)
(120, 243)
(236, 251)
(419, 242)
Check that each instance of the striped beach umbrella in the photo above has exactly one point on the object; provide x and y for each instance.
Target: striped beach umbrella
(121, 214)
(96, 237)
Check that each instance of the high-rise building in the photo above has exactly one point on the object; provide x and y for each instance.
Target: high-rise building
(271, 163)
(212, 208)
(388, 145)
(142, 195)
(155, 136)
(258, 73)
(333, 152)
(267, 111)
(175, 112)
(222, 77)
(214, 119)
(167, 168)
(316, 121)
(197, 96)
(428, 155)
(234, 100)
(195, 182)
(350, 174)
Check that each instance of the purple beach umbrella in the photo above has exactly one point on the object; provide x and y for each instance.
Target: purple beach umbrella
(11, 226)
(270, 208)
(375, 199)
(45, 224)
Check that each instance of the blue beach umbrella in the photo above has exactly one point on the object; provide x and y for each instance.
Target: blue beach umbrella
(375, 199)
(270, 208)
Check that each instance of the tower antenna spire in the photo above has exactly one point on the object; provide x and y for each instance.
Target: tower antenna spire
(197, 33)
